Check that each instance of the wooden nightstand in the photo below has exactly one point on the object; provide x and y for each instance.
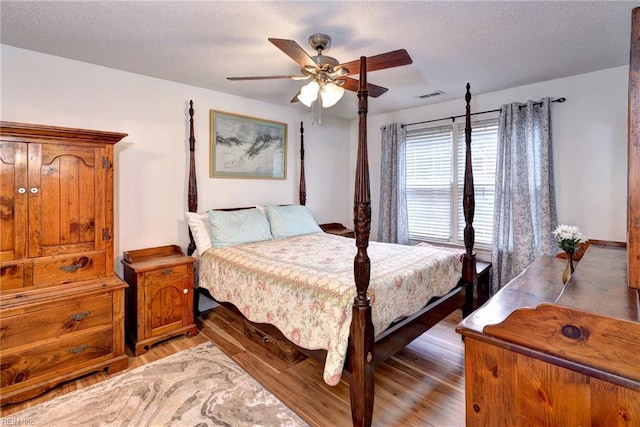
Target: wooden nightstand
(483, 273)
(338, 229)
(159, 302)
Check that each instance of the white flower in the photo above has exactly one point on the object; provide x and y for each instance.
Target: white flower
(568, 237)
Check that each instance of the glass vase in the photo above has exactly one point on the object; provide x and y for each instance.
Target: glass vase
(568, 269)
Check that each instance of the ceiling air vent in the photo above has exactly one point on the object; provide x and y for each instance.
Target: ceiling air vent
(432, 94)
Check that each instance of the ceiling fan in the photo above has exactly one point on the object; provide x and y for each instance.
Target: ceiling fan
(328, 77)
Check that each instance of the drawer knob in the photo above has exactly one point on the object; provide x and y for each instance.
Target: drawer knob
(22, 190)
(81, 315)
(185, 291)
(79, 349)
(34, 190)
(167, 271)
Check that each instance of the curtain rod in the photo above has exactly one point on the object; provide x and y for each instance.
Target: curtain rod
(453, 118)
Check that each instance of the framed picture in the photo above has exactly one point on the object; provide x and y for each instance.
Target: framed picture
(247, 147)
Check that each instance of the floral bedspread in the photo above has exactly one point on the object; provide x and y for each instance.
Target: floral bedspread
(304, 285)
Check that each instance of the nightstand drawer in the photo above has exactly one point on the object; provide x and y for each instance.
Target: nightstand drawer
(56, 320)
(166, 275)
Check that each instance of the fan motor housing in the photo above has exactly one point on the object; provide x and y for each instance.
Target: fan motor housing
(320, 41)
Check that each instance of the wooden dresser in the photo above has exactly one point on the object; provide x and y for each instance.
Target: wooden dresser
(61, 306)
(543, 354)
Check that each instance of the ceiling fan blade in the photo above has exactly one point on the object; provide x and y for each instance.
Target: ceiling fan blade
(353, 84)
(294, 77)
(391, 59)
(295, 97)
(294, 51)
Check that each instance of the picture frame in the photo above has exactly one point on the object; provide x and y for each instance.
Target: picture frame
(246, 147)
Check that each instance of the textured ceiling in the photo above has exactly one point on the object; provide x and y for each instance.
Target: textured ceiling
(492, 45)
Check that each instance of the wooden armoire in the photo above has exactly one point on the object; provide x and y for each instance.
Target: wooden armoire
(61, 305)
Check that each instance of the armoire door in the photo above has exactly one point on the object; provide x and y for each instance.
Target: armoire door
(67, 199)
(13, 201)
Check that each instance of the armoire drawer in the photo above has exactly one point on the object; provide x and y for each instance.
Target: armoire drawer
(56, 320)
(13, 276)
(55, 357)
(69, 268)
(166, 275)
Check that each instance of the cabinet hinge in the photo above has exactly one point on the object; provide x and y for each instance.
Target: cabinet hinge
(105, 234)
(106, 164)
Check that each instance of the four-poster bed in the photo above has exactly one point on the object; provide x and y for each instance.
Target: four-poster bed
(365, 349)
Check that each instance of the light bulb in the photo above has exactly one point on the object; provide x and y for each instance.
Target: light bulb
(330, 94)
(309, 93)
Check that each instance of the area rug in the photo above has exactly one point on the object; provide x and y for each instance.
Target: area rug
(200, 386)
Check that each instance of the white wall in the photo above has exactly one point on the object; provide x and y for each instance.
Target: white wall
(589, 130)
(589, 145)
(151, 167)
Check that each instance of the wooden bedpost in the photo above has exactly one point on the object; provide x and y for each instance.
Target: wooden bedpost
(361, 364)
(303, 186)
(193, 188)
(468, 206)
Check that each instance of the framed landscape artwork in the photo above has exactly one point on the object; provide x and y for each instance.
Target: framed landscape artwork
(247, 147)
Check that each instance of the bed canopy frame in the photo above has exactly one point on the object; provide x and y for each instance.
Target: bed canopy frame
(366, 351)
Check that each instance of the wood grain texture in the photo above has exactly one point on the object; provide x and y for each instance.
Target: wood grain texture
(633, 177)
(13, 200)
(159, 297)
(512, 389)
(551, 355)
(422, 385)
(602, 343)
(62, 312)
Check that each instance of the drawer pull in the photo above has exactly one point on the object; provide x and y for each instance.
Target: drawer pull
(80, 316)
(263, 337)
(167, 271)
(79, 349)
(73, 267)
(70, 268)
(185, 291)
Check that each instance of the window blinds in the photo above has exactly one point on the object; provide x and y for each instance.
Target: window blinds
(429, 159)
(484, 147)
(435, 178)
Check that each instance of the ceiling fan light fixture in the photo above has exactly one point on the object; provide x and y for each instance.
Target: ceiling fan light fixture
(330, 94)
(309, 93)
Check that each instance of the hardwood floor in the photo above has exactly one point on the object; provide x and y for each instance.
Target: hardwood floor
(422, 385)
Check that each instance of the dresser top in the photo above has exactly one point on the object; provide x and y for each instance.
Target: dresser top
(599, 285)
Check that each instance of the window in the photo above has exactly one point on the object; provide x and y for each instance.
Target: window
(435, 179)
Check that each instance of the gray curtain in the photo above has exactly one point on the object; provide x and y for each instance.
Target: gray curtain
(393, 223)
(525, 209)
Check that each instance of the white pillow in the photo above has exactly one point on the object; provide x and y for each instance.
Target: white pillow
(200, 229)
(230, 228)
(291, 220)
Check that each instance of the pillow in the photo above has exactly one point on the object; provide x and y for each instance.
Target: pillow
(230, 228)
(262, 209)
(291, 220)
(200, 230)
